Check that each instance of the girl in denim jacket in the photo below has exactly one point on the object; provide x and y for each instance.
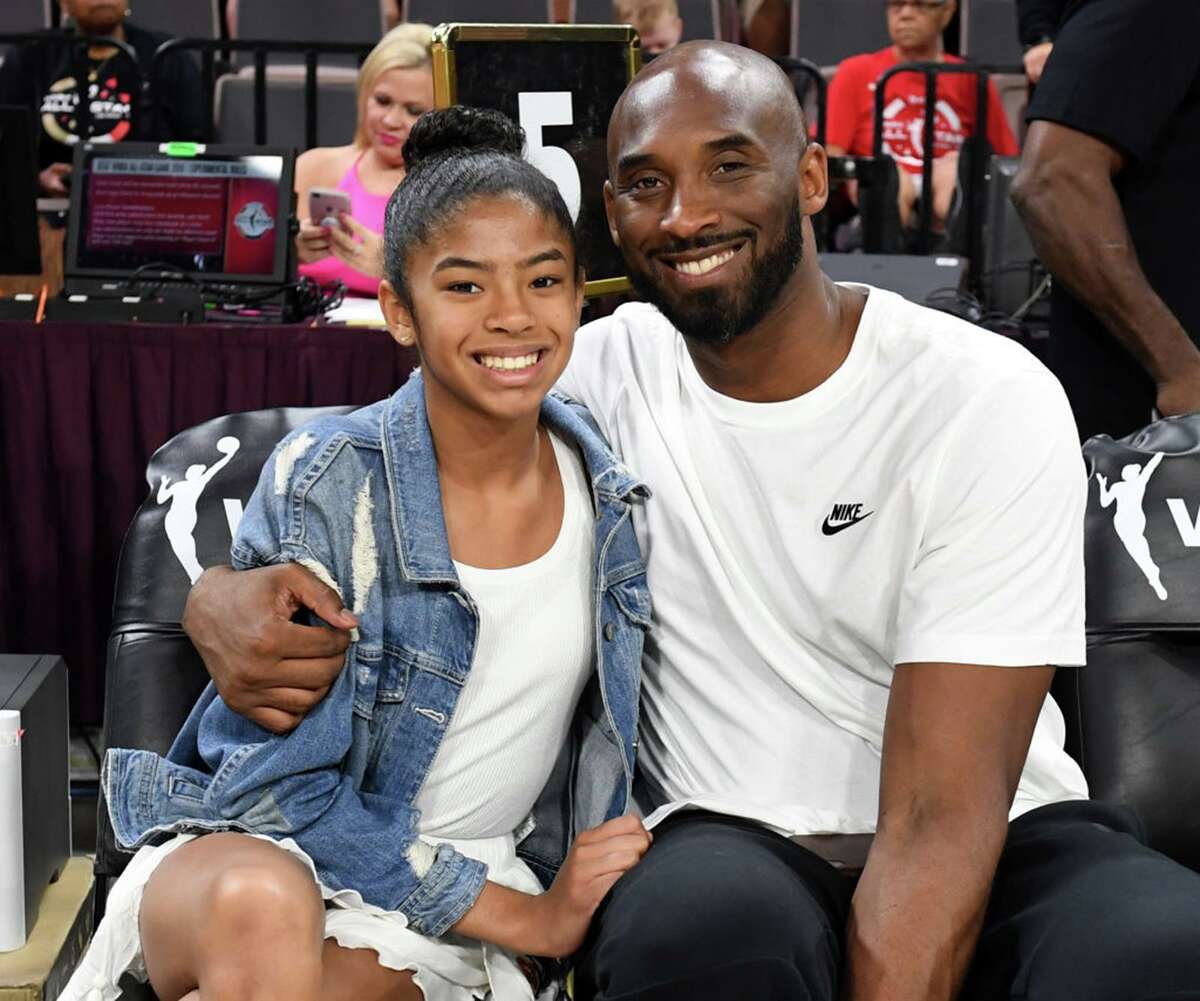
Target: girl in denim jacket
(396, 844)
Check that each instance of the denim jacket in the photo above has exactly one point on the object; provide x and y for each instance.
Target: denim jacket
(356, 499)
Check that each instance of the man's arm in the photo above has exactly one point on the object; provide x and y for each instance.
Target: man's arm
(954, 745)
(1065, 195)
(265, 666)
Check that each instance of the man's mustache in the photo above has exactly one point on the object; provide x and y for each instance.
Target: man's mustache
(701, 242)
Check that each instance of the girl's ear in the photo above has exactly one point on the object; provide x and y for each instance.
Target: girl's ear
(400, 322)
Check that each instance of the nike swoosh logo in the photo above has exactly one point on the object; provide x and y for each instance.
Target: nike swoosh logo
(828, 529)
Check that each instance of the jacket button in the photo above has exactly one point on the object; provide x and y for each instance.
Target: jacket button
(609, 631)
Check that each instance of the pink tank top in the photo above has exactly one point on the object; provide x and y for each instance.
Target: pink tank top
(369, 210)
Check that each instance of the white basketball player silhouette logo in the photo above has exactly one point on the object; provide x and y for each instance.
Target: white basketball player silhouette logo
(1129, 519)
(184, 496)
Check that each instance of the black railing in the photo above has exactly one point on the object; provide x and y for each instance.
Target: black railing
(877, 194)
(214, 53)
(977, 158)
(805, 69)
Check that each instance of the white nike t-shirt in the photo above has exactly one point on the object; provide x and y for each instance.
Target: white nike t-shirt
(924, 503)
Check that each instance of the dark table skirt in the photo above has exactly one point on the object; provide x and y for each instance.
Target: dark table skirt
(82, 408)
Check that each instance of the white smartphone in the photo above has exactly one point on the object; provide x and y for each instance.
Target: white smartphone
(324, 204)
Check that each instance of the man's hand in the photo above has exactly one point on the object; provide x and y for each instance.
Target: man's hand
(1035, 60)
(1180, 393)
(266, 667)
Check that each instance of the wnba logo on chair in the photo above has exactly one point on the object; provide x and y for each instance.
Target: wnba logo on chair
(183, 496)
(1127, 496)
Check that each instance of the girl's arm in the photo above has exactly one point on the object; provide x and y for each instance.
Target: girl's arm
(555, 923)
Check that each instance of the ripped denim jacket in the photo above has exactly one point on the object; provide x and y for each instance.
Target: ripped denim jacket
(356, 498)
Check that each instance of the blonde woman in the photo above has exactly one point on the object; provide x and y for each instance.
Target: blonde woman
(395, 87)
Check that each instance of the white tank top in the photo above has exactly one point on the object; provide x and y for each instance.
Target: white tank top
(534, 655)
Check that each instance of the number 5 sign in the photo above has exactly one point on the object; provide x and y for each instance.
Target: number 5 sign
(550, 108)
(560, 82)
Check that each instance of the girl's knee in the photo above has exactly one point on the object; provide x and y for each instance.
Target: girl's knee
(264, 895)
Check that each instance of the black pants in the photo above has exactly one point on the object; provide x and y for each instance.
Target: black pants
(720, 908)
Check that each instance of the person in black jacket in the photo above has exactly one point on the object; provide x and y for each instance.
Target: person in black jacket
(41, 76)
(1107, 191)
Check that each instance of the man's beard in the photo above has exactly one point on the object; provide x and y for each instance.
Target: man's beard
(717, 316)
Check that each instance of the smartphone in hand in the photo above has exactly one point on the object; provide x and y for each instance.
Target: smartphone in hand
(325, 204)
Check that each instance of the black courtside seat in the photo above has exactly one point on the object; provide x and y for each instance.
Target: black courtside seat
(154, 674)
(1133, 713)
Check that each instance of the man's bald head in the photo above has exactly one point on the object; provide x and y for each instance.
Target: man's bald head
(707, 75)
(711, 183)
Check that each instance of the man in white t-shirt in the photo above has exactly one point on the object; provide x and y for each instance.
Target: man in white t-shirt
(865, 549)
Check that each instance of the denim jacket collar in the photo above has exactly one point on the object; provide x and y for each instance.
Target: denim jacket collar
(418, 523)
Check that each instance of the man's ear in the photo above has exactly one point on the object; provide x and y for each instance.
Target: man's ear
(400, 322)
(609, 213)
(813, 179)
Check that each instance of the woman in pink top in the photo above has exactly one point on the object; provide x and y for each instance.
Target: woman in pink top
(395, 87)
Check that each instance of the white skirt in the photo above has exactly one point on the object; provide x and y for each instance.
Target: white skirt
(450, 968)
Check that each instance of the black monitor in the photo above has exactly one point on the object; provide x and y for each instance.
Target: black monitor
(20, 249)
(218, 214)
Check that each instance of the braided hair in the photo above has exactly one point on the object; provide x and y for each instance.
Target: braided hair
(453, 156)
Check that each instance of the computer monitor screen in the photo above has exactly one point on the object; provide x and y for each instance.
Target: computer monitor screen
(20, 252)
(220, 214)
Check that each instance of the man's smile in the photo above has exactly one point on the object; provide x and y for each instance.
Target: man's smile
(703, 262)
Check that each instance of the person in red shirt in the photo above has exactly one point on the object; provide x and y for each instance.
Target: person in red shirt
(915, 27)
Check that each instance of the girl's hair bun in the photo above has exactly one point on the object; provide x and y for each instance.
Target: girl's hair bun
(461, 130)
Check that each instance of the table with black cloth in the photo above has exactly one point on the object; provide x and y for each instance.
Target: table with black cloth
(82, 408)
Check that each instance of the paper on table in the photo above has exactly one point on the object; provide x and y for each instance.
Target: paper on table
(357, 312)
(12, 848)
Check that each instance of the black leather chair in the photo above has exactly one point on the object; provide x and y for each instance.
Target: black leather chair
(154, 674)
(1133, 713)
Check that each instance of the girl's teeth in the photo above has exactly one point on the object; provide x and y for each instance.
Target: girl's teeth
(508, 362)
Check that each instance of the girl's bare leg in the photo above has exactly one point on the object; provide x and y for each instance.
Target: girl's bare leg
(355, 975)
(233, 918)
(236, 919)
